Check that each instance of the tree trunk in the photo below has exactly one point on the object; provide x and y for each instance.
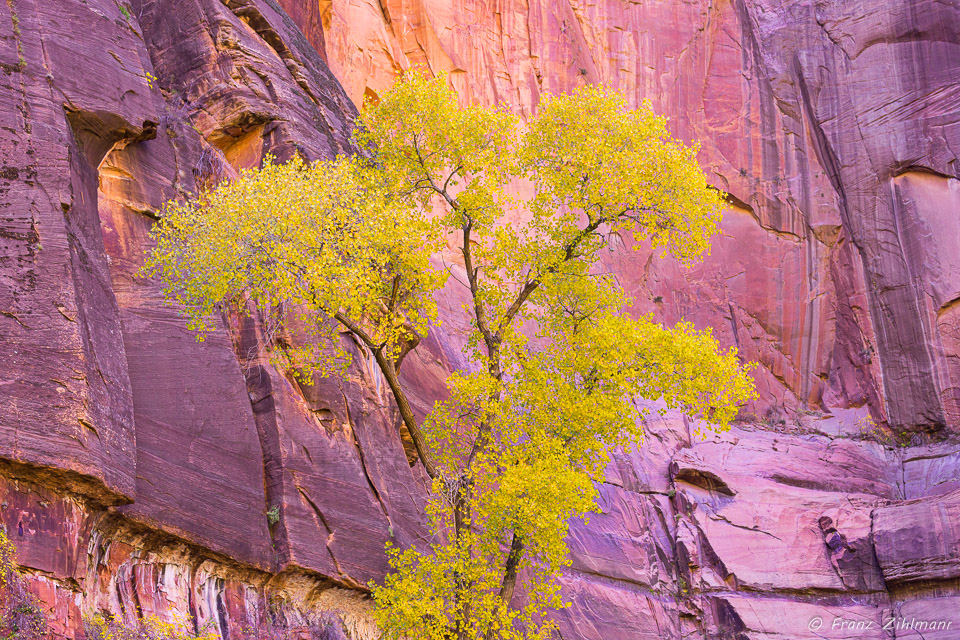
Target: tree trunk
(406, 411)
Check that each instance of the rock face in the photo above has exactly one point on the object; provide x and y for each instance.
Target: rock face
(143, 472)
(829, 123)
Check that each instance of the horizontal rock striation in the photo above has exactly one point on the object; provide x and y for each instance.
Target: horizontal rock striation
(143, 472)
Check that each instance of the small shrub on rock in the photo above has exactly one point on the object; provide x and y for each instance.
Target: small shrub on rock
(101, 627)
(326, 626)
(21, 615)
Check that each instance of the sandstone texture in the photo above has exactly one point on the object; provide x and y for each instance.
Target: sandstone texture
(142, 472)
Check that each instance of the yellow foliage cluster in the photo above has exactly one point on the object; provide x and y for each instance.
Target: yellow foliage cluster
(303, 241)
(8, 566)
(557, 361)
(150, 627)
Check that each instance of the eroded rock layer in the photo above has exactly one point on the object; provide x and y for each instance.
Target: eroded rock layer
(144, 472)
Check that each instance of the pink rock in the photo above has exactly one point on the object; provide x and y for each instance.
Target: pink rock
(919, 539)
(771, 537)
(744, 616)
(808, 461)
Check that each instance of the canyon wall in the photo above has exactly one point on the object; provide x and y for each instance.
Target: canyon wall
(144, 472)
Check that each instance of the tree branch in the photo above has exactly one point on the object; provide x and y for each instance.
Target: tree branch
(406, 411)
(394, 292)
(407, 345)
(389, 371)
(355, 329)
(509, 584)
(569, 252)
(473, 281)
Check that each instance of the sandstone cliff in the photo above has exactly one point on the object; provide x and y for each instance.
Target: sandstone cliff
(141, 470)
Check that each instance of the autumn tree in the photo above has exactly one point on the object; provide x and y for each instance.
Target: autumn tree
(364, 244)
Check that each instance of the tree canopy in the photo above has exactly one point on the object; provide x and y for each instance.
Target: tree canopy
(517, 214)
